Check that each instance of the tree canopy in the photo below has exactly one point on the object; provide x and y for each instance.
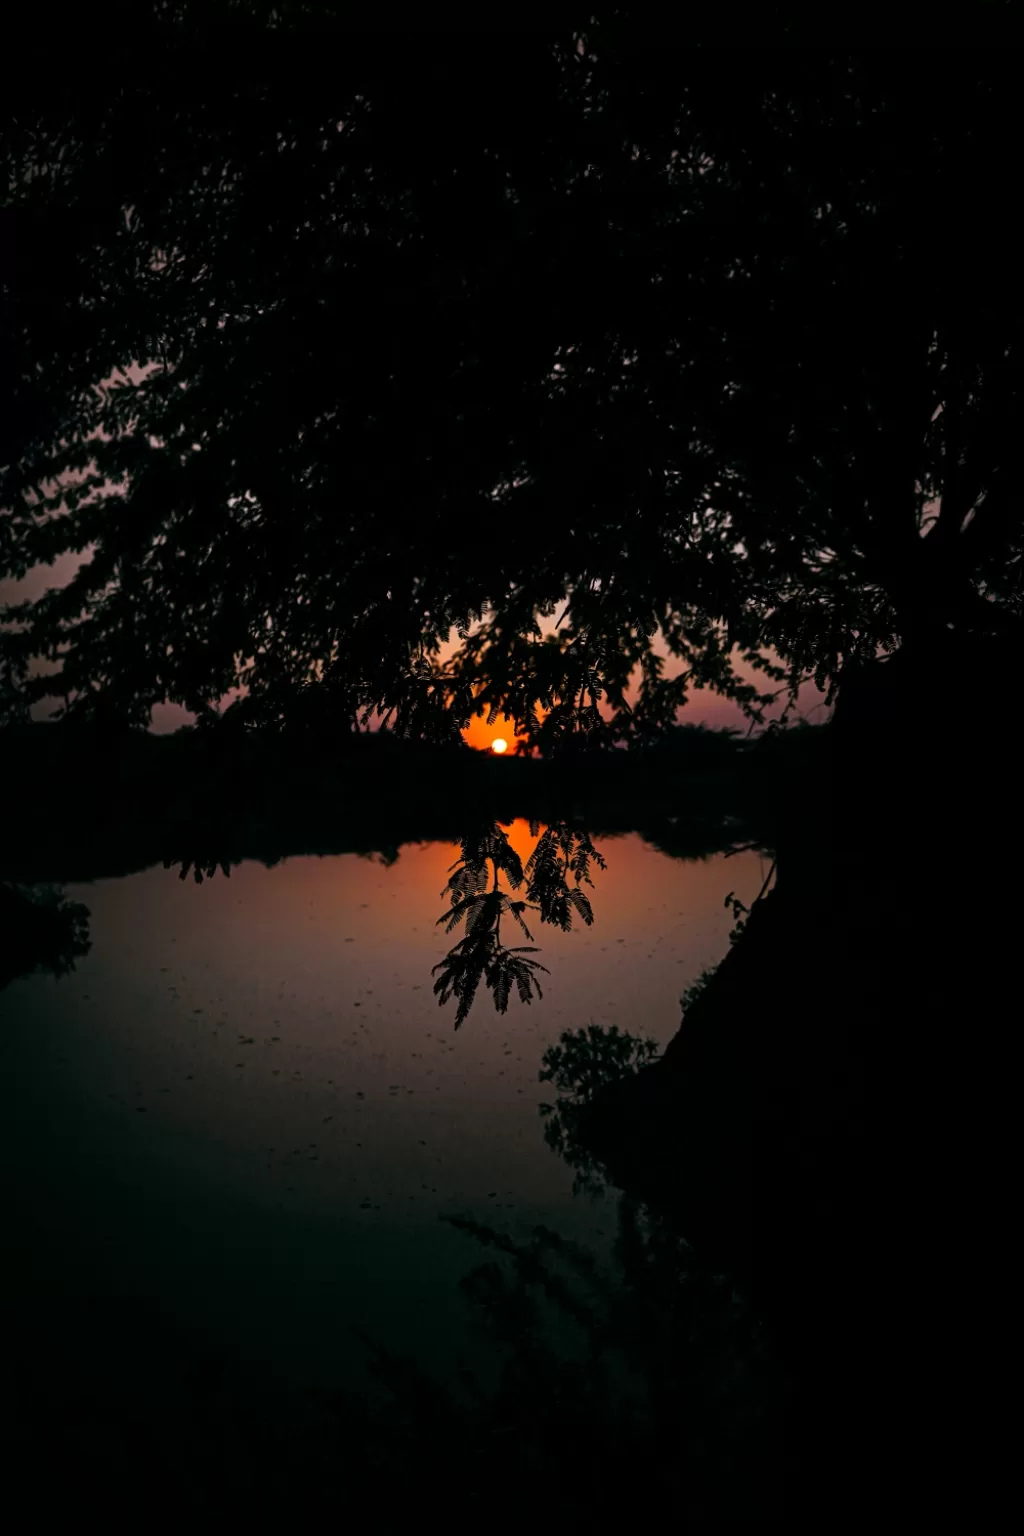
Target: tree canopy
(453, 373)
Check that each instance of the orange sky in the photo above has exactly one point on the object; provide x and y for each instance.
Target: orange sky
(480, 735)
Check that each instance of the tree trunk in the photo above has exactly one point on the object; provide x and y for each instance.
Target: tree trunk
(834, 1113)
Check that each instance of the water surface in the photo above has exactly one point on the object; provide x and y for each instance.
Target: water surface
(235, 1126)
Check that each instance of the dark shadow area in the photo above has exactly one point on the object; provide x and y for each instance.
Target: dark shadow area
(40, 930)
(85, 804)
(813, 1124)
(587, 1375)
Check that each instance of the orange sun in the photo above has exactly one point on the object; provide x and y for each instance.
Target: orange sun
(499, 744)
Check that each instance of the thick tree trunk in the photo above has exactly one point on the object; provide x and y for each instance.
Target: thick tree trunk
(834, 1113)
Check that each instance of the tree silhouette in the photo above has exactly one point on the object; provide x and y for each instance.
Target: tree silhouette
(453, 339)
(502, 372)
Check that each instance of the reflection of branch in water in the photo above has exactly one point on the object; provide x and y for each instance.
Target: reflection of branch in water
(40, 930)
(551, 881)
(655, 1360)
(584, 1061)
(598, 1386)
(207, 855)
(604, 1385)
(201, 866)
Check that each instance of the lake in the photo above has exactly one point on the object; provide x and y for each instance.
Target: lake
(232, 1131)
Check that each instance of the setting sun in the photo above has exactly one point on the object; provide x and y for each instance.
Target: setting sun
(483, 734)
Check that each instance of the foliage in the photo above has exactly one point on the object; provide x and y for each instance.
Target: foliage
(585, 1060)
(587, 1367)
(683, 364)
(698, 987)
(740, 912)
(478, 901)
(655, 1355)
(202, 867)
(582, 1063)
(40, 930)
(562, 850)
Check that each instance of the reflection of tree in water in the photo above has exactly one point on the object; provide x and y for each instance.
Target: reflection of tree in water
(603, 1387)
(582, 1062)
(549, 886)
(490, 881)
(653, 1362)
(551, 882)
(40, 930)
(200, 866)
(656, 1359)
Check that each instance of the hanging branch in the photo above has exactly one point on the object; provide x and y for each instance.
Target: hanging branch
(558, 865)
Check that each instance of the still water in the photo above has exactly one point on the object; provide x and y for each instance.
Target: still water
(236, 1126)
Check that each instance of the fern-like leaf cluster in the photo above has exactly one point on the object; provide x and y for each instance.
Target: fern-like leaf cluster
(562, 853)
(559, 864)
(480, 956)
